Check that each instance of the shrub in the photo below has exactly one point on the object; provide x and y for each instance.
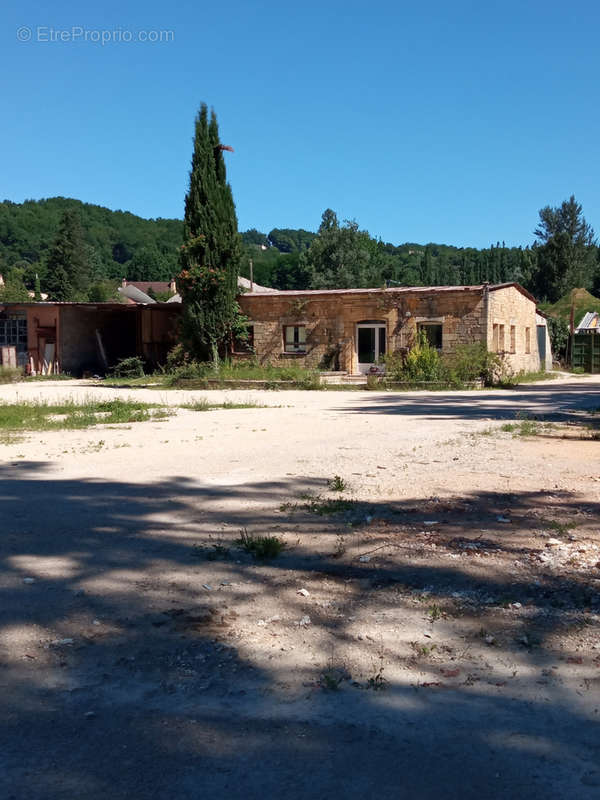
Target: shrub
(422, 363)
(10, 374)
(129, 368)
(472, 362)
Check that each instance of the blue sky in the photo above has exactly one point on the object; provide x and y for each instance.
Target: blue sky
(451, 122)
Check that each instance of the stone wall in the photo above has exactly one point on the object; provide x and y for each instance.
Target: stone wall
(512, 329)
(330, 319)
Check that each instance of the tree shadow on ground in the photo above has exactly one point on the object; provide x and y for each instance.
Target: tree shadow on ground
(555, 404)
(166, 698)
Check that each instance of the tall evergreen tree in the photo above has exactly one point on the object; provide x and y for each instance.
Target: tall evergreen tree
(67, 269)
(566, 251)
(211, 252)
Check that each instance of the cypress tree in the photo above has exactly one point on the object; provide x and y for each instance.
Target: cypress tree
(211, 253)
(67, 267)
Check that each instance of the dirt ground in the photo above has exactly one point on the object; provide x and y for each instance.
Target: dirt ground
(431, 631)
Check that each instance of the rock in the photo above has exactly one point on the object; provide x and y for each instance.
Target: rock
(365, 559)
(90, 714)
(28, 580)
(502, 519)
(304, 621)
(489, 639)
(516, 605)
(58, 642)
(430, 522)
(96, 622)
(303, 592)
(207, 587)
(553, 542)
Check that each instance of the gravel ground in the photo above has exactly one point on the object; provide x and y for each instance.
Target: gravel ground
(430, 631)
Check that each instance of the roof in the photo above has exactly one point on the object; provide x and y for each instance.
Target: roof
(393, 290)
(244, 283)
(590, 322)
(156, 286)
(46, 303)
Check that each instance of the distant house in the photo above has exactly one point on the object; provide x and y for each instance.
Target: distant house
(352, 329)
(138, 291)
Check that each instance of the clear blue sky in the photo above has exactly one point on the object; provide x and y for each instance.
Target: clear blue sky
(450, 122)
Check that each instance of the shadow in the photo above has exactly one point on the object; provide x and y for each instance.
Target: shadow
(134, 665)
(566, 402)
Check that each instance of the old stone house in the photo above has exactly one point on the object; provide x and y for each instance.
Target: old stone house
(351, 329)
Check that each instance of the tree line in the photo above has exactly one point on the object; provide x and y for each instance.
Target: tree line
(79, 251)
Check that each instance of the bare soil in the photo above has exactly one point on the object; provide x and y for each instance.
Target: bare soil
(430, 631)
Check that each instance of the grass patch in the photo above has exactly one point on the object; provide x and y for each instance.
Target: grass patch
(526, 427)
(40, 416)
(205, 405)
(194, 373)
(261, 547)
(324, 506)
(10, 374)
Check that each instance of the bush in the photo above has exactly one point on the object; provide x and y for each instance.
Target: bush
(422, 363)
(558, 330)
(132, 367)
(473, 362)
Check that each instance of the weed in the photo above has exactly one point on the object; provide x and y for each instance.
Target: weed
(205, 405)
(333, 675)
(215, 552)
(337, 484)
(261, 547)
(377, 681)
(340, 547)
(434, 612)
(69, 415)
(326, 506)
(562, 528)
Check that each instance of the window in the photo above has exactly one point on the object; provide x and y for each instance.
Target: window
(513, 339)
(245, 345)
(433, 333)
(13, 331)
(294, 339)
(498, 338)
(528, 340)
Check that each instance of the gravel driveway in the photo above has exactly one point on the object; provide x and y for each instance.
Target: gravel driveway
(432, 631)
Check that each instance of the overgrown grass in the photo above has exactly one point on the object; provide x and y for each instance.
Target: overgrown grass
(201, 373)
(262, 548)
(525, 427)
(202, 404)
(322, 506)
(69, 415)
(10, 374)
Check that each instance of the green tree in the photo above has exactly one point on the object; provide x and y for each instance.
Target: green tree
(342, 256)
(211, 252)
(14, 289)
(67, 268)
(566, 251)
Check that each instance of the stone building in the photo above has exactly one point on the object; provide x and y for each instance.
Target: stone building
(351, 329)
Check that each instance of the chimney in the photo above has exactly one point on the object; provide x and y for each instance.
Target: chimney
(172, 286)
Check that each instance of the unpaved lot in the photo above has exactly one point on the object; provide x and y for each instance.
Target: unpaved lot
(431, 631)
